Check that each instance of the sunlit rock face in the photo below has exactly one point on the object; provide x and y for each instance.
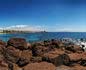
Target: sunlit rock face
(40, 66)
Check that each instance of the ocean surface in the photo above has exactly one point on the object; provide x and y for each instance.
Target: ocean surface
(33, 37)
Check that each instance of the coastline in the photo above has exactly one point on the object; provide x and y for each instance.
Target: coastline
(48, 53)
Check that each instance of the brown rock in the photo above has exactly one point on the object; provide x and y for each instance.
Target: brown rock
(64, 68)
(29, 46)
(19, 43)
(74, 48)
(78, 67)
(2, 43)
(40, 66)
(56, 57)
(16, 67)
(26, 54)
(3, 65)
(75, 57)
(36, 59)
(83, 56)
(24, 58)
(12, 54)
(55, 43)
(37, 50)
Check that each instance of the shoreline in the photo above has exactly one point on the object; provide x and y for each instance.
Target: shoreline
(53, 54)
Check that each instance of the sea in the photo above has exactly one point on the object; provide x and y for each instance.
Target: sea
(40, 36)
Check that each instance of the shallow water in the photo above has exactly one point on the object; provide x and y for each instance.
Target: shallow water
(32, 37)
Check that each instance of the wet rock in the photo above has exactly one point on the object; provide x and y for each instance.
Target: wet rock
(40, 66)
(19, 43)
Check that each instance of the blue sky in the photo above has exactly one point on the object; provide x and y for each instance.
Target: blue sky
(51, 15)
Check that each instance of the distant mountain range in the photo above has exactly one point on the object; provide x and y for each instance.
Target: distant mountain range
(23, 28)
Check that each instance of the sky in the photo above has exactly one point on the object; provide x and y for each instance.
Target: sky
(49, 15)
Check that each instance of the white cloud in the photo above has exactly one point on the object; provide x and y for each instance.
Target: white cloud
(25, 28)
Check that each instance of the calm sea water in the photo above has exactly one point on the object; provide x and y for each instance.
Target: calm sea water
(32, 37)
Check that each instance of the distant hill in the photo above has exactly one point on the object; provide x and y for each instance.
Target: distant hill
(21, 28)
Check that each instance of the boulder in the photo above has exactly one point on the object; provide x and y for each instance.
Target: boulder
(37, 50)
(25, 58)
(12, 54)
(57, 57)
(74, 48)
(19, 43)
(40, 66)
(75, 57)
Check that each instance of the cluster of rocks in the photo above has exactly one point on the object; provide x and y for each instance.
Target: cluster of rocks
(17, 54)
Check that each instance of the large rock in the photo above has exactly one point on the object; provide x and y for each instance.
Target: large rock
(40, 66)
(57, 57)
(17, 56)
(74, 57)
(25, 58)
(37, 50)
(12, 54)
(74, 48)
(19, 43)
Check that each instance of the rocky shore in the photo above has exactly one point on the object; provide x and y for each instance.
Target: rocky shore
(17, 54)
